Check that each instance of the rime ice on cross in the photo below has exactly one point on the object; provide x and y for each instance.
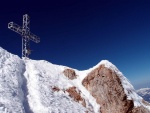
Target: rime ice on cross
(24, 31)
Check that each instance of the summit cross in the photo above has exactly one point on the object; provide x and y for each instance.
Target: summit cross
(24, 31)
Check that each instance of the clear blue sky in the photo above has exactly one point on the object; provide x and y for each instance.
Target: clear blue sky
(79, 34)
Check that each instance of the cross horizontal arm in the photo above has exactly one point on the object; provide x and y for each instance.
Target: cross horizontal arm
(18, 29)
(34, 38)
(14, 27)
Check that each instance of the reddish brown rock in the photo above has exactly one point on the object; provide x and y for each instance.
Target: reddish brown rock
(76, 95)
(105, 86)
(69, 73)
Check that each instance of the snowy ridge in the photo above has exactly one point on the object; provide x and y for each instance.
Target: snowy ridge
(26, 86)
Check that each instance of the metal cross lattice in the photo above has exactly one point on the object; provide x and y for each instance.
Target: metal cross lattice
(24, 31)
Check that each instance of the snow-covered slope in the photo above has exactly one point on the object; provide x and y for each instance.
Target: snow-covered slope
(144, 93)
(41, 76)
(27, 86)
(11, 73)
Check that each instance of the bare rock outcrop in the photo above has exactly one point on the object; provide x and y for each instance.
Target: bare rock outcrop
(69, 73)
(105, 86)
(76, 95)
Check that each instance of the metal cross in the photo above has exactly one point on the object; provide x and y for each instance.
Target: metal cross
(24, 31)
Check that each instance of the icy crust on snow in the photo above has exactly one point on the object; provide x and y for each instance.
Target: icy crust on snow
(128, 88)
(11, 95)
(41, 77)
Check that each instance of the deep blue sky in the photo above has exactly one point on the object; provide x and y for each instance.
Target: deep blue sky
(79, 34)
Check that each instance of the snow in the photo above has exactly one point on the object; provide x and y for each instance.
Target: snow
(11, 95)
(41, 77)
(26, 87)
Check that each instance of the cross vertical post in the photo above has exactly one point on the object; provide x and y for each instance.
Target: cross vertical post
(25, 36)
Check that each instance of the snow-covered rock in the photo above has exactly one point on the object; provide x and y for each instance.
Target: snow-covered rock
(30, 86)
(112, 90)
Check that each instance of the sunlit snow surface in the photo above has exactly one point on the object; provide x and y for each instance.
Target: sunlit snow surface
(26, 87)
(11, 72)
(41, 77)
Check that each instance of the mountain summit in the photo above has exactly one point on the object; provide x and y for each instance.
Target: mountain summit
(30, 86)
